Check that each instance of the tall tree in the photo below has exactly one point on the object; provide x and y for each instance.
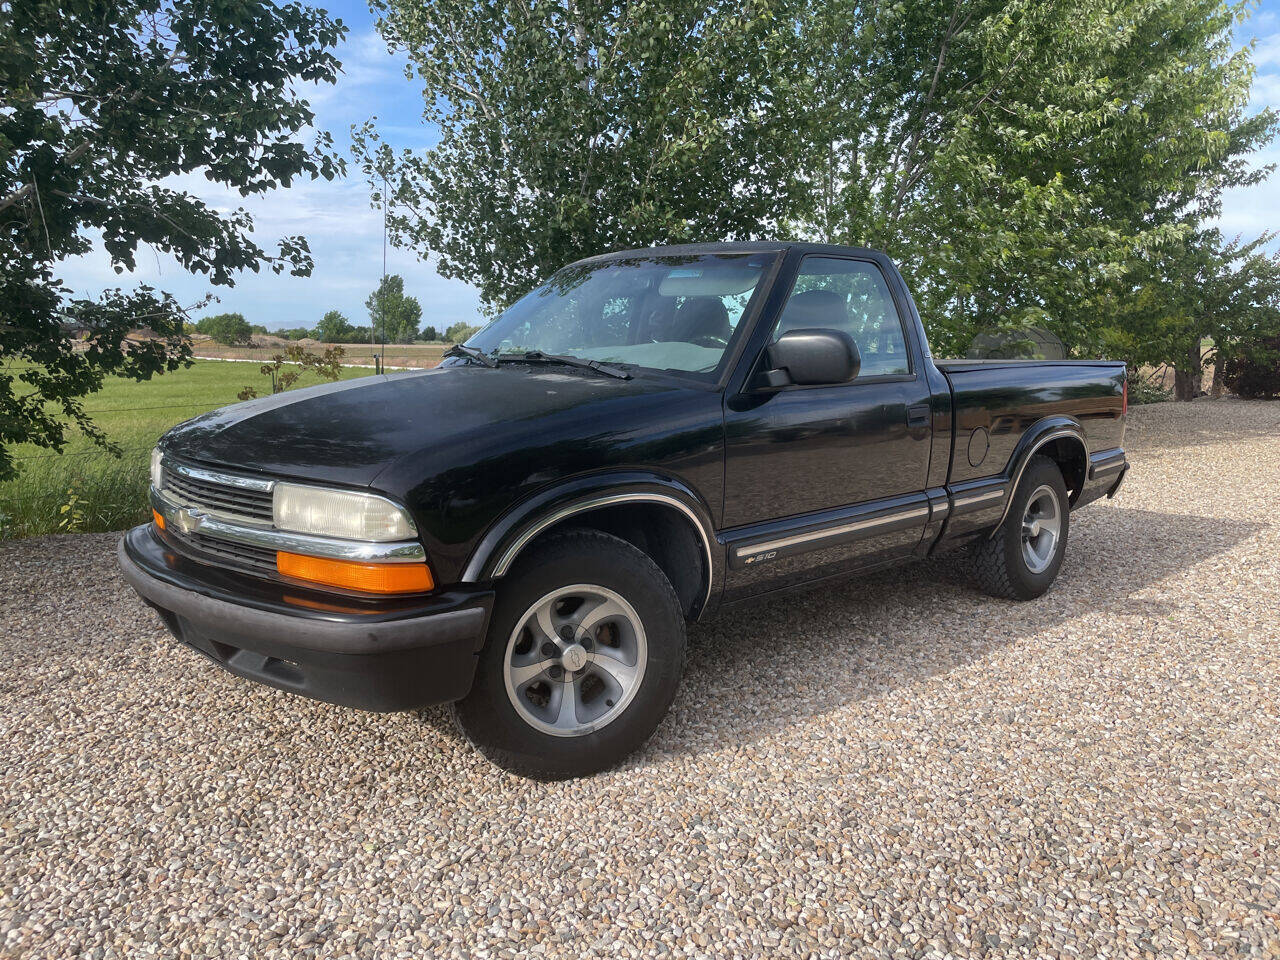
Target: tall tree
(569, 127)
(227, 328)
(105, 103)
(1020, 157)
(1200, 301)
(334, 328)
(394, 316)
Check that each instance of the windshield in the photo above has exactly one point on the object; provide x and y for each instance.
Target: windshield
(672, 313)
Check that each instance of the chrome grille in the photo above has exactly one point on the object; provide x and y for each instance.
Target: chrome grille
(217, 498)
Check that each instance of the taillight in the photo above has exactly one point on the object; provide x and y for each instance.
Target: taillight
(1124, 403)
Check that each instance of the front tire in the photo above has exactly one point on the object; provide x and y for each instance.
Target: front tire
(1021, 560)
(584, 654)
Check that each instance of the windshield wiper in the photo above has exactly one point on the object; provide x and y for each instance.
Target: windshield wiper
(537, 356)
(471, 353)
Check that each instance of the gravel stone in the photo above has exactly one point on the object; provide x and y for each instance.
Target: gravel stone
(894, 766)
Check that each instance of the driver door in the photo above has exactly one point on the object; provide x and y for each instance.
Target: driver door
(821, 479)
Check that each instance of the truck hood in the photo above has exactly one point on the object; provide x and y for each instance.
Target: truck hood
(350, 432)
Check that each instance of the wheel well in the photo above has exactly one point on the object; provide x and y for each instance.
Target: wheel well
(1069, 454)
(661, 532)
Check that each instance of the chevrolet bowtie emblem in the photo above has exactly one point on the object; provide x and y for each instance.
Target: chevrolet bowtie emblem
(188, 520)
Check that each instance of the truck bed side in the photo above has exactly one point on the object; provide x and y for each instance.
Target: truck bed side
(1002, 409)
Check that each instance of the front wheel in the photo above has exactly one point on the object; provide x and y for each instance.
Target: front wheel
(583, 658)
(1021, 559)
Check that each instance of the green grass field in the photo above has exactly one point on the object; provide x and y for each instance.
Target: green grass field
(109, 493)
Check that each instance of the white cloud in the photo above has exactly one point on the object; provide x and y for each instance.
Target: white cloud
(1252, 211)
(344, 233)
(1267, 52)
(366, 66)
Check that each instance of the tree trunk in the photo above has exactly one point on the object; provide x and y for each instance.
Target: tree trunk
(1188, 376)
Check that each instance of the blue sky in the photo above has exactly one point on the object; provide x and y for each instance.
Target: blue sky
(346, 234)
(1257, 210)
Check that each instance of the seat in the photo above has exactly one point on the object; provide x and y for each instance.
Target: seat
(823, 309)
(702, 317)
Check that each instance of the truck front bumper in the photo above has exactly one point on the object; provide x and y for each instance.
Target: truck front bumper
(397, 654)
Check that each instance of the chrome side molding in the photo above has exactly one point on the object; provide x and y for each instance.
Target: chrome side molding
(507, 557)
(814, 538)
(963, 503)
(1106, 463)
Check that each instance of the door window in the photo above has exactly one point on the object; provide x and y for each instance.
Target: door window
(849, 295)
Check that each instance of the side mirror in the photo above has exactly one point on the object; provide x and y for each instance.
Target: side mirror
(808, 357)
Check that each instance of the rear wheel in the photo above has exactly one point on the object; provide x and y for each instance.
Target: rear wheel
(1021, 560)
(583, 658)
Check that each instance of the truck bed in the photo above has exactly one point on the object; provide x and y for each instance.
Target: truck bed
(999, 400)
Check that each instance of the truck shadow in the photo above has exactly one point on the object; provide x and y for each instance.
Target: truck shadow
(765, 666)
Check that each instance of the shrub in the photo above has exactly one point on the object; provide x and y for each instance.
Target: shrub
(285, 368)
(1254, 372)
(1148, 391)
(459, 332)
(226, 328)
(333, 328)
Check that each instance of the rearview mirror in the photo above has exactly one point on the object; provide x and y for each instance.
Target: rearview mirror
(809, 357)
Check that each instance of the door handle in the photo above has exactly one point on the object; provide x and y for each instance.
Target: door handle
(918, 415)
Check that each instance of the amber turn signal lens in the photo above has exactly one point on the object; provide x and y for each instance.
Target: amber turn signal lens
(155, 515)
(350, 575)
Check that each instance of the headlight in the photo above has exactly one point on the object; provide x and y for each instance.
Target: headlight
(156, 474)
(339, 513)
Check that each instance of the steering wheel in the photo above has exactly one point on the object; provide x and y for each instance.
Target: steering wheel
(707, 340)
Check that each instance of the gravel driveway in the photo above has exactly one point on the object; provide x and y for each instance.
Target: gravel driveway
(888, 767)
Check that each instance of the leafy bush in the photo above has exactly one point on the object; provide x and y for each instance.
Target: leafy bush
(1254, 372)
(333, 328)
(226, 328)
(459, 332)
(429, 333)
(294, 333)
(286, 368)
(1148, 391)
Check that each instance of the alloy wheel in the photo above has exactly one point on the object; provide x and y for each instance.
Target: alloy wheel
(1041, 529)
(575, 660)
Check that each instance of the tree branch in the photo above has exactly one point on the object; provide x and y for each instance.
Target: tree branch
(953, 27)
(79, 151)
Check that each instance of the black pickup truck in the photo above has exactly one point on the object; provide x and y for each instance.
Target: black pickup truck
(649, 437)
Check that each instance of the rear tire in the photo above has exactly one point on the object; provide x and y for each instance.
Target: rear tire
(1022, 559)
(584, 654)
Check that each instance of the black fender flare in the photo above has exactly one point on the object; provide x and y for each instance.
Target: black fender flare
(1033, 438)
(506, 537)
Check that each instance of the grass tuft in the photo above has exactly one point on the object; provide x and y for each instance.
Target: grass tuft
(109, 493)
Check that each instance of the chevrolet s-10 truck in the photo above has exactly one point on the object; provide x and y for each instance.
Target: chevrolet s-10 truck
(649, 437)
